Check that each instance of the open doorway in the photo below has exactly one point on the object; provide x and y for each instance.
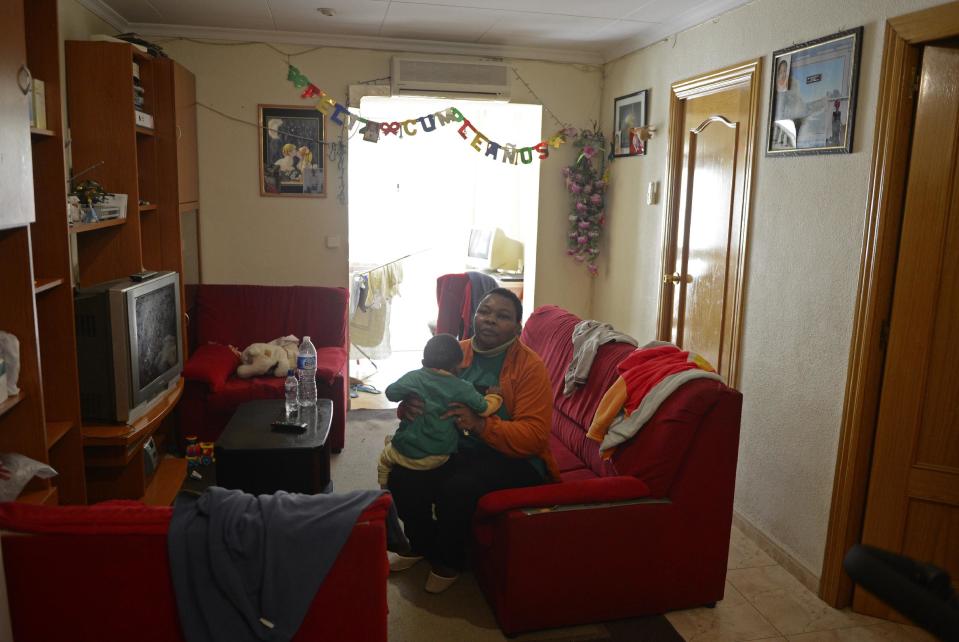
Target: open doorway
(414, 201)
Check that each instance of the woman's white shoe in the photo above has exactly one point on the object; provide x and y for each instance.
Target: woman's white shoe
(438, 583)
(401, 562)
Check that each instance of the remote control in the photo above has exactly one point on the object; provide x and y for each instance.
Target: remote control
(288, 426)
(143, 276)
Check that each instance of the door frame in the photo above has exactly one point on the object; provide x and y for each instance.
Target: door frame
(702, 85)
(904, 38)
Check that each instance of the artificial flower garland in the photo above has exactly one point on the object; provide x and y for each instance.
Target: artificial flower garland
(586, 180)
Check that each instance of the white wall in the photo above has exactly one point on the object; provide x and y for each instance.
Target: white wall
(247, 238)
(805, 237)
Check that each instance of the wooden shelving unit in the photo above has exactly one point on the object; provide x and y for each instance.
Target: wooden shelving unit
(10, 402)
(148, 208)
(57, 430)
(42, 285)
(36, 131)
(79, 228)
(166, 482)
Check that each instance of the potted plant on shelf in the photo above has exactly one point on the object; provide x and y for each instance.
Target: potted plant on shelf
(89, 194)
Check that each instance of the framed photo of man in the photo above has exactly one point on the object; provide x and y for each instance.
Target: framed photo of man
(629, 113)
(812, 97)
(291, 151)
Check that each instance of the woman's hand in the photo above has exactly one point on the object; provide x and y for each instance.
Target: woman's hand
(465, 419)
(410, 408)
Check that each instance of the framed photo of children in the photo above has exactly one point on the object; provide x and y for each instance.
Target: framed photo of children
(629, 114)
(291, 154)
(812, 97)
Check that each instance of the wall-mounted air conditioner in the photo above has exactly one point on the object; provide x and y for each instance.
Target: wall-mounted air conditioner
(454, 77)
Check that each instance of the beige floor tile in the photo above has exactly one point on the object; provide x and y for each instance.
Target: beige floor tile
(743, 552)
(786, 603)
(885, 632)
(733, 620)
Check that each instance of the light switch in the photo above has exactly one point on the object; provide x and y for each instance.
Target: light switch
(652, 193)
(332, 241)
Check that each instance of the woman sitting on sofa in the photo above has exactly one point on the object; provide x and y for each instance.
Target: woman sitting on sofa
(507, 450)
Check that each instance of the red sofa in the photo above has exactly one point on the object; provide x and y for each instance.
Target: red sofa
(645, 532)
(101, 574)
(243, 314)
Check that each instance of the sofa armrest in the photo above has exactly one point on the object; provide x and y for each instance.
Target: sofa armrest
(601, 490)
(211, 364)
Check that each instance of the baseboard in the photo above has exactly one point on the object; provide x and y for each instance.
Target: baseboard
(793, 566)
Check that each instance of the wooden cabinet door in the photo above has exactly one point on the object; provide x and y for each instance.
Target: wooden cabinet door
(913, 503)
(184, 91)
(16, 164)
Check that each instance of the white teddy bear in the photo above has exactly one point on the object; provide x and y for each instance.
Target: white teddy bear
(274, 358)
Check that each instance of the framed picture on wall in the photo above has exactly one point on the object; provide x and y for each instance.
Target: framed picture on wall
(291, 152)
(629, 114)
(812, 98)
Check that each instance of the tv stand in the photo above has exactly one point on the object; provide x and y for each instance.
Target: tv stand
(114, 455)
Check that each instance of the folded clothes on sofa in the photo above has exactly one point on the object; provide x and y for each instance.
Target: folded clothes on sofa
(246, 567)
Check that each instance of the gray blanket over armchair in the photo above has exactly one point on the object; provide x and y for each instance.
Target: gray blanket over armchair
(246, 567)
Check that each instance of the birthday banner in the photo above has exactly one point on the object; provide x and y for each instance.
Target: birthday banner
(371, 131)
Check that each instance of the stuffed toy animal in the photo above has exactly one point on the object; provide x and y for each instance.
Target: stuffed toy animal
(274, 358)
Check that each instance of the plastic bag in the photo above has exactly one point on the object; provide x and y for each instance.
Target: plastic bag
(22, 470)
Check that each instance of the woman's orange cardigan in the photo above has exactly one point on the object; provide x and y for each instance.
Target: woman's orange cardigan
(527, 394)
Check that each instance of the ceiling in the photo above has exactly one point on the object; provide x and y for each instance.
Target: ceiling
(591, 31)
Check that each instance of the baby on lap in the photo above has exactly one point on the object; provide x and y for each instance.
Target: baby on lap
(427, 441)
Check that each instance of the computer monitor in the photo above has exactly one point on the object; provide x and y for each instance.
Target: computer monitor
(491, 250)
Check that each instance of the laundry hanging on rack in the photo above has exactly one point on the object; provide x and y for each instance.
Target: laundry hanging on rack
(373, 292)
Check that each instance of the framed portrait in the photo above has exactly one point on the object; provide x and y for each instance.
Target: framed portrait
(812, 97)
(629, 113)
(291, 152)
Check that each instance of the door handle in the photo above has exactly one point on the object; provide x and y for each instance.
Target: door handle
(675, 277)
(24, 80)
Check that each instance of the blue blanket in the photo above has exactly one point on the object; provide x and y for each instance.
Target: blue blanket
(246, 567)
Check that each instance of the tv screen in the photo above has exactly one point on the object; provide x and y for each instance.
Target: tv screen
(156, 333)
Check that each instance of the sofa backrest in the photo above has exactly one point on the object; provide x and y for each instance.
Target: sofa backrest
(243, 314)
(658, 451)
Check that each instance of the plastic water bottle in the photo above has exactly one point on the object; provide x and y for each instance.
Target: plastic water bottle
(306, 372)
(291, 388)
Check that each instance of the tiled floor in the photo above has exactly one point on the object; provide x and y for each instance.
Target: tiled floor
(762, 600)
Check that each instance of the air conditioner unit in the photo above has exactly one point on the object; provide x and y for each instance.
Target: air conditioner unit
(454, 77)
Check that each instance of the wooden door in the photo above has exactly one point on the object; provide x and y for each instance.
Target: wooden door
(16, 165)
(912, 506)
(184, 92)
(714, 121)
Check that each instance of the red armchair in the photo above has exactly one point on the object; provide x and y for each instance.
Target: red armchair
(643, 533)
(243, 314)
(94, 573)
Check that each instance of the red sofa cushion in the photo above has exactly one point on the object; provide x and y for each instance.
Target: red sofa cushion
(212, 364)
(243, 314)
(329, 363)
(112, 517)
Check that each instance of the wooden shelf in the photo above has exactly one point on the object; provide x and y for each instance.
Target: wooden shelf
(56, 430)
(124, 434)
(140, 55)
(78, 228)
(148, 208)
(47, 496)
(42, 285)
(42, 133)
(145, 131)
(11, 402)
(166, 482)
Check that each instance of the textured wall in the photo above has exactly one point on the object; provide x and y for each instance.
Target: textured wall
(241, 231)
(805, 234)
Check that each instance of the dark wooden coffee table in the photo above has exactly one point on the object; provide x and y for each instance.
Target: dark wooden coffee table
(253, 457)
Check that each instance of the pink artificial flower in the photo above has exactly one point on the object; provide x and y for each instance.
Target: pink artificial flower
(571, 132)
(580, 206)
(578, 178)
(596, 199)
(587, 188)
(575, 188)
(584, 225)
(599, 185)
(582, 240)
(589, 151)
(602, 219)
(566, 171)
(593, 269)
(570, 251)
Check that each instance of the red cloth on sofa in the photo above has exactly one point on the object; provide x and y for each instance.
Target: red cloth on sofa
(243, 314)
(105, 570)
(646, 532)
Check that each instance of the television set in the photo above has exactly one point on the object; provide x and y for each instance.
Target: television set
(129, 345)
(491, 250)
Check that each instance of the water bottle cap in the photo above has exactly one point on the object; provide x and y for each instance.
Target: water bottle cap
(306, 338)
(289, 373)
